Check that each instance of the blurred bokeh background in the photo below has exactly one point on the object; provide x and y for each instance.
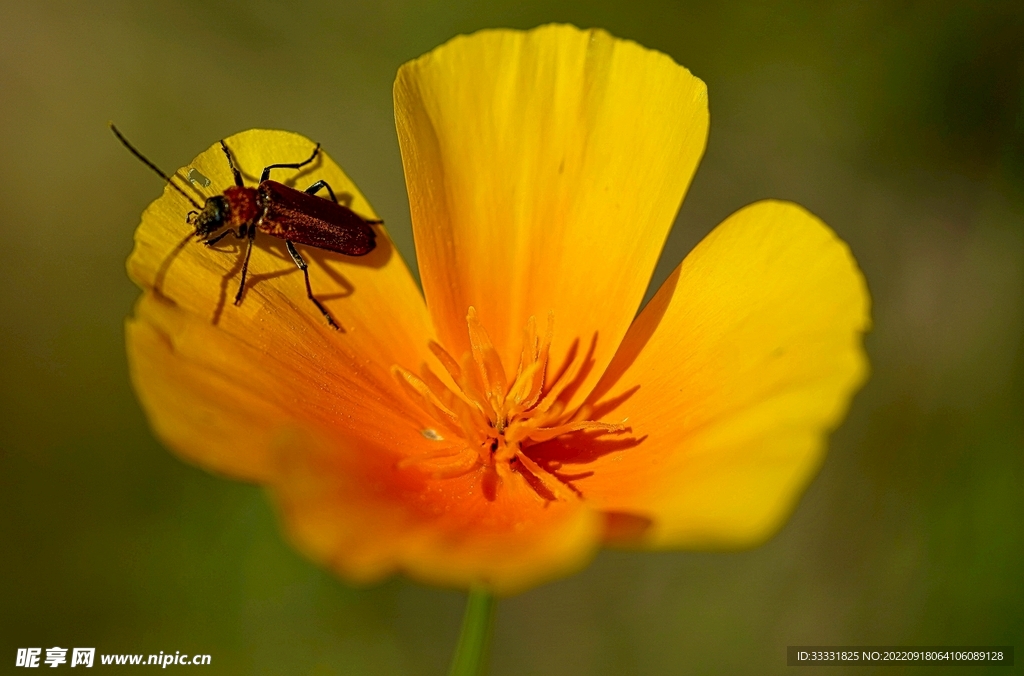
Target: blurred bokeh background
(900, 123)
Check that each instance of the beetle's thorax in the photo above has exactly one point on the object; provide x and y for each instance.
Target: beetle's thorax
(244, 206)
(236, 207)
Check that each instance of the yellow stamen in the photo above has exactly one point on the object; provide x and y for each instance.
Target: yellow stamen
(494, 422)
(421, 394)
(443, 466)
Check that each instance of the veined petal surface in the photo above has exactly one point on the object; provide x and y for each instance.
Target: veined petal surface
(220, 382)
(731, 378)
(545, 169)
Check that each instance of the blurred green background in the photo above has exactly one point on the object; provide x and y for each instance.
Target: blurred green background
(900, 124)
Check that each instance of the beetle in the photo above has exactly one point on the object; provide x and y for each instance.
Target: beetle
(280, 211)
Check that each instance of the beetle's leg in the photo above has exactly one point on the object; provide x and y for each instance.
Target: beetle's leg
(231, 163)
(214, 240)
(309, 290)
(298, 165)
(245, 264)
(238, 235)
(315, 188)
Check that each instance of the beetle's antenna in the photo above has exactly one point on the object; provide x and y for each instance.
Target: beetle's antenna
(152, 166)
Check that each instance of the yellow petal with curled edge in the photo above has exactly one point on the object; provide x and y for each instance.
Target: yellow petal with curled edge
(218, 382)
(730, 380)
(545, 169)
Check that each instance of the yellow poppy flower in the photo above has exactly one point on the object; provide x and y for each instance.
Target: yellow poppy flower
(523, 416)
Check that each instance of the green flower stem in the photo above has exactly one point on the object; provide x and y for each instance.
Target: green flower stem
(471, 653)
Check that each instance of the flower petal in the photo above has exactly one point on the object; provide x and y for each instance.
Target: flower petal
(544, 170)
(474, 529)
(730, 379)
(219, 382)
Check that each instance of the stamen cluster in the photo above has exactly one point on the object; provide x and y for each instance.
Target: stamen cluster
(491, 422)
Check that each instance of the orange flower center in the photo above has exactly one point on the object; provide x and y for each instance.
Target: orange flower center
(486, 421)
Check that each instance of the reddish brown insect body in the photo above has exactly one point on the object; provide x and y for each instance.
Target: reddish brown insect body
(299, 217)
(275, 209)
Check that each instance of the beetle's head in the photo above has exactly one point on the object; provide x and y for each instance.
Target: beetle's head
(212, 218)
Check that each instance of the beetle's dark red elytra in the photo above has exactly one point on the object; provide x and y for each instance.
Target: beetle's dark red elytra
(277, 210)
(306, 219)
